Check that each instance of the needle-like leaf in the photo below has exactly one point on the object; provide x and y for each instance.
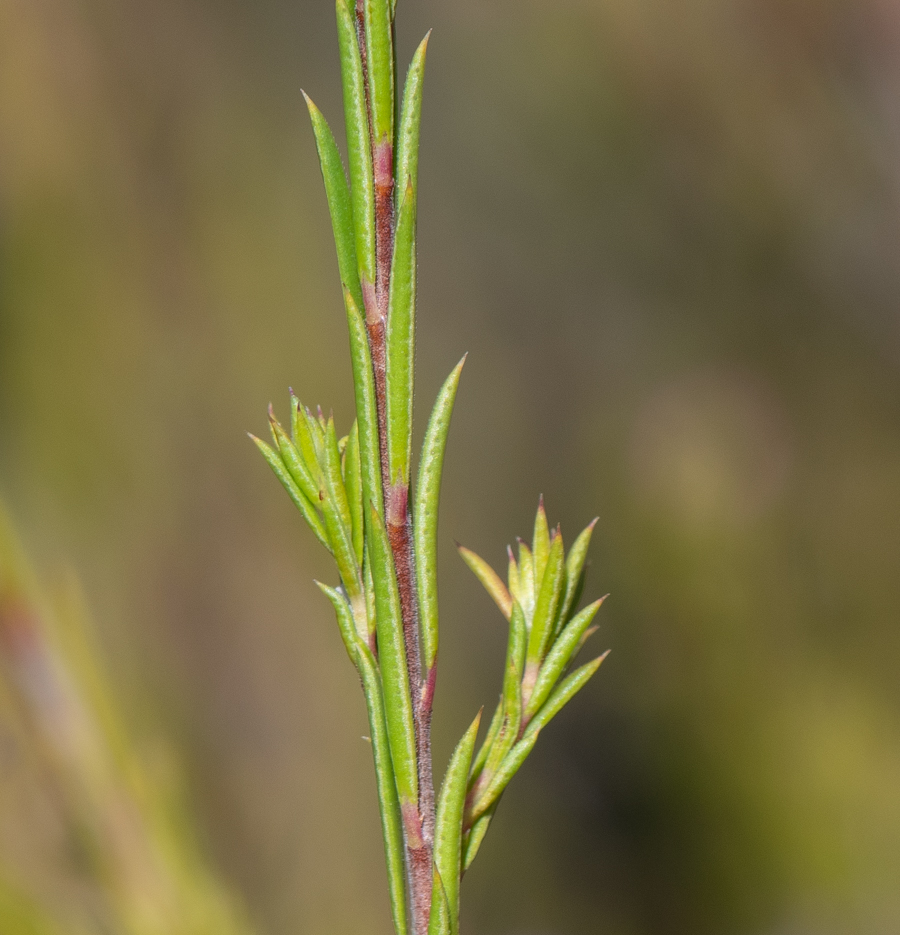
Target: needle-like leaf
(400, 340)
(540, 543)
(519, 753)
(512, 576)
(353, 486)
(547, 603)
(293, 461)
(407, 159)
(339, 204)
(487, 744)
(391, 821)
(392, 658)
(346, 625)
(492, 582)
(563, 693)
(379, 43)
(366, 406)
(306, 508)
(334, 480)
(359, 149)
(425, 512)
(574, 571)
(559, 657)
(475, 835)
(448, 826)
(527, 583)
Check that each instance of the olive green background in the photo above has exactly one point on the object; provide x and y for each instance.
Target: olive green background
(668, 233)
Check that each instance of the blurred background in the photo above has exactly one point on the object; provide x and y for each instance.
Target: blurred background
(668, 233)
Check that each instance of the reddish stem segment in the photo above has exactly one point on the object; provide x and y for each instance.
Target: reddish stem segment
(419, 819)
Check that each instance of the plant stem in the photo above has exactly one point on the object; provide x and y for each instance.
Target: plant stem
(418, 822)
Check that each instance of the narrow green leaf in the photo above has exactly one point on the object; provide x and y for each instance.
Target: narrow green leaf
(512, 576)
(346, 624)
(526, 581)
(407, 160)
(306, 508)
(487, 744)
(515, 651)
(540, 543)
(303, 442)
(370, 597)
(293, 461)
(366, 411)
(439, 921)
(353, 485)
(547, 603)
(517, 756)
(475, 835)
(316, 433)
(334, 480)
(492, 582)
(400, 340)
(336, 514)
(448, 824)
(391, 821)
(425, 511)
(563, 693)
(512, 693)
(588, 633)
(574, 568)
(392, 658)
(359, 150)
(379, 44)
(339, 204)
(561, 653)
(500, 780)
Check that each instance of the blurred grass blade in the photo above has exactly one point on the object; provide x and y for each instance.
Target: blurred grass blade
(359, 150)
(392, 658)
(400, 340)
(379, 44)
(425, 512)
(540, 543)
(560, 655)
(492, 582)
(448, 825)
(366, 406)
(306, 508)
(353, 486)
(391, 821)
(547, 603)
(340, 206)
(407, 158)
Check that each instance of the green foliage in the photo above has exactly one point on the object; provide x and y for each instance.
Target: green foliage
(358, 496)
